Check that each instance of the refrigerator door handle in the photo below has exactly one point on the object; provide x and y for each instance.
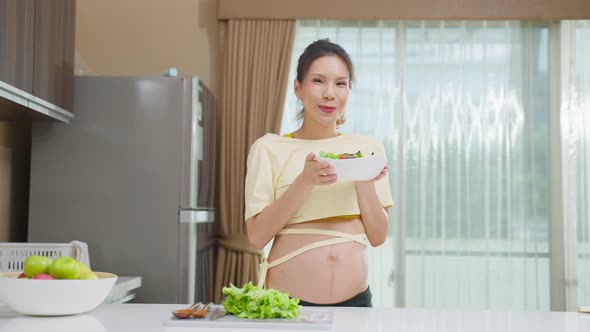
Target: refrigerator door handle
(192, 143)
(196, 216)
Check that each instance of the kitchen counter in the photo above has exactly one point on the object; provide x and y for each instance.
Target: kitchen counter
(121, 291)
(150, 318)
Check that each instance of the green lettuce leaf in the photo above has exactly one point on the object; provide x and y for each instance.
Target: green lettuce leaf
(332, 155)
(254, 302)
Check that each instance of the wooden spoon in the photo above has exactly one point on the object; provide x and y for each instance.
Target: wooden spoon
(202, 312)
(185, 313)
(182, 313)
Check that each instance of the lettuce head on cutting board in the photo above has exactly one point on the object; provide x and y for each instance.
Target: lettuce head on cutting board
(255, 302)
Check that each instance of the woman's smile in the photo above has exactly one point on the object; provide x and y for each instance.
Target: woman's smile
(327, 109)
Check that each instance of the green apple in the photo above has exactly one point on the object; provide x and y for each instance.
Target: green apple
(85, 272)
(64, 268)
(35, 264)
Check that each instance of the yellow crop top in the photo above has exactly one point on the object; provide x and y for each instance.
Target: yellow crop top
(350, 216)
(275, 161)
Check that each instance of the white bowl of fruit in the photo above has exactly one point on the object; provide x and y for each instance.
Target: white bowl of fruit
(354, 166)
(62, 286)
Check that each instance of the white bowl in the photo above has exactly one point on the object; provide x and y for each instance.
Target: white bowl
(356, 169)
(54, 297)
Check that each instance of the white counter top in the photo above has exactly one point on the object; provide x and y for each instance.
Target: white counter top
(150, 318)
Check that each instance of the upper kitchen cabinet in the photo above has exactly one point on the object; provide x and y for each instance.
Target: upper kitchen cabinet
(53, 78)
(17, 33)
(37, 59)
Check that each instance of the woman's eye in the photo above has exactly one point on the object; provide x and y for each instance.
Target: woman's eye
(341, 83)
(316, 80)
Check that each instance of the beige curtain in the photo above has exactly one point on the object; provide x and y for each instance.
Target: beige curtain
(255, 72)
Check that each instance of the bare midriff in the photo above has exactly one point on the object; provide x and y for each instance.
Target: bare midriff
(329, 274)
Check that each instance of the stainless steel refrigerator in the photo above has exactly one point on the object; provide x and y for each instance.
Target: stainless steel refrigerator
(133, 176)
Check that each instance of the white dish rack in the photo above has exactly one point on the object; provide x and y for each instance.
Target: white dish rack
(13, 254)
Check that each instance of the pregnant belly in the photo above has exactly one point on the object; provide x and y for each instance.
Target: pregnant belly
(327, 274)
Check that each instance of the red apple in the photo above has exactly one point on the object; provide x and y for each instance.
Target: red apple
(43, 276)
(22, 275)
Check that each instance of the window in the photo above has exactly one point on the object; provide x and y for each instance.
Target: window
(463, 110)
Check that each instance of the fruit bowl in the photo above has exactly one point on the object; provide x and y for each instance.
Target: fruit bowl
(356, 169)
(54, 297)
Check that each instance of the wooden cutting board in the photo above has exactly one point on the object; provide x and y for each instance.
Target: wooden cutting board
(319, 320)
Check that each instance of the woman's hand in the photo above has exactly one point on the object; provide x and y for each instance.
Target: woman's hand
(382, 174)
(317, 172)
(379, 176)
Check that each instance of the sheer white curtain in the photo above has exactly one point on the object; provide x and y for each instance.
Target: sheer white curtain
(462, 108)
(575, 129)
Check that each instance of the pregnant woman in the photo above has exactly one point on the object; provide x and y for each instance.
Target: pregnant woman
(321, 226)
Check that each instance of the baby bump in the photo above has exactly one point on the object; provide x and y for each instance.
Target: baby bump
(327, 274)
